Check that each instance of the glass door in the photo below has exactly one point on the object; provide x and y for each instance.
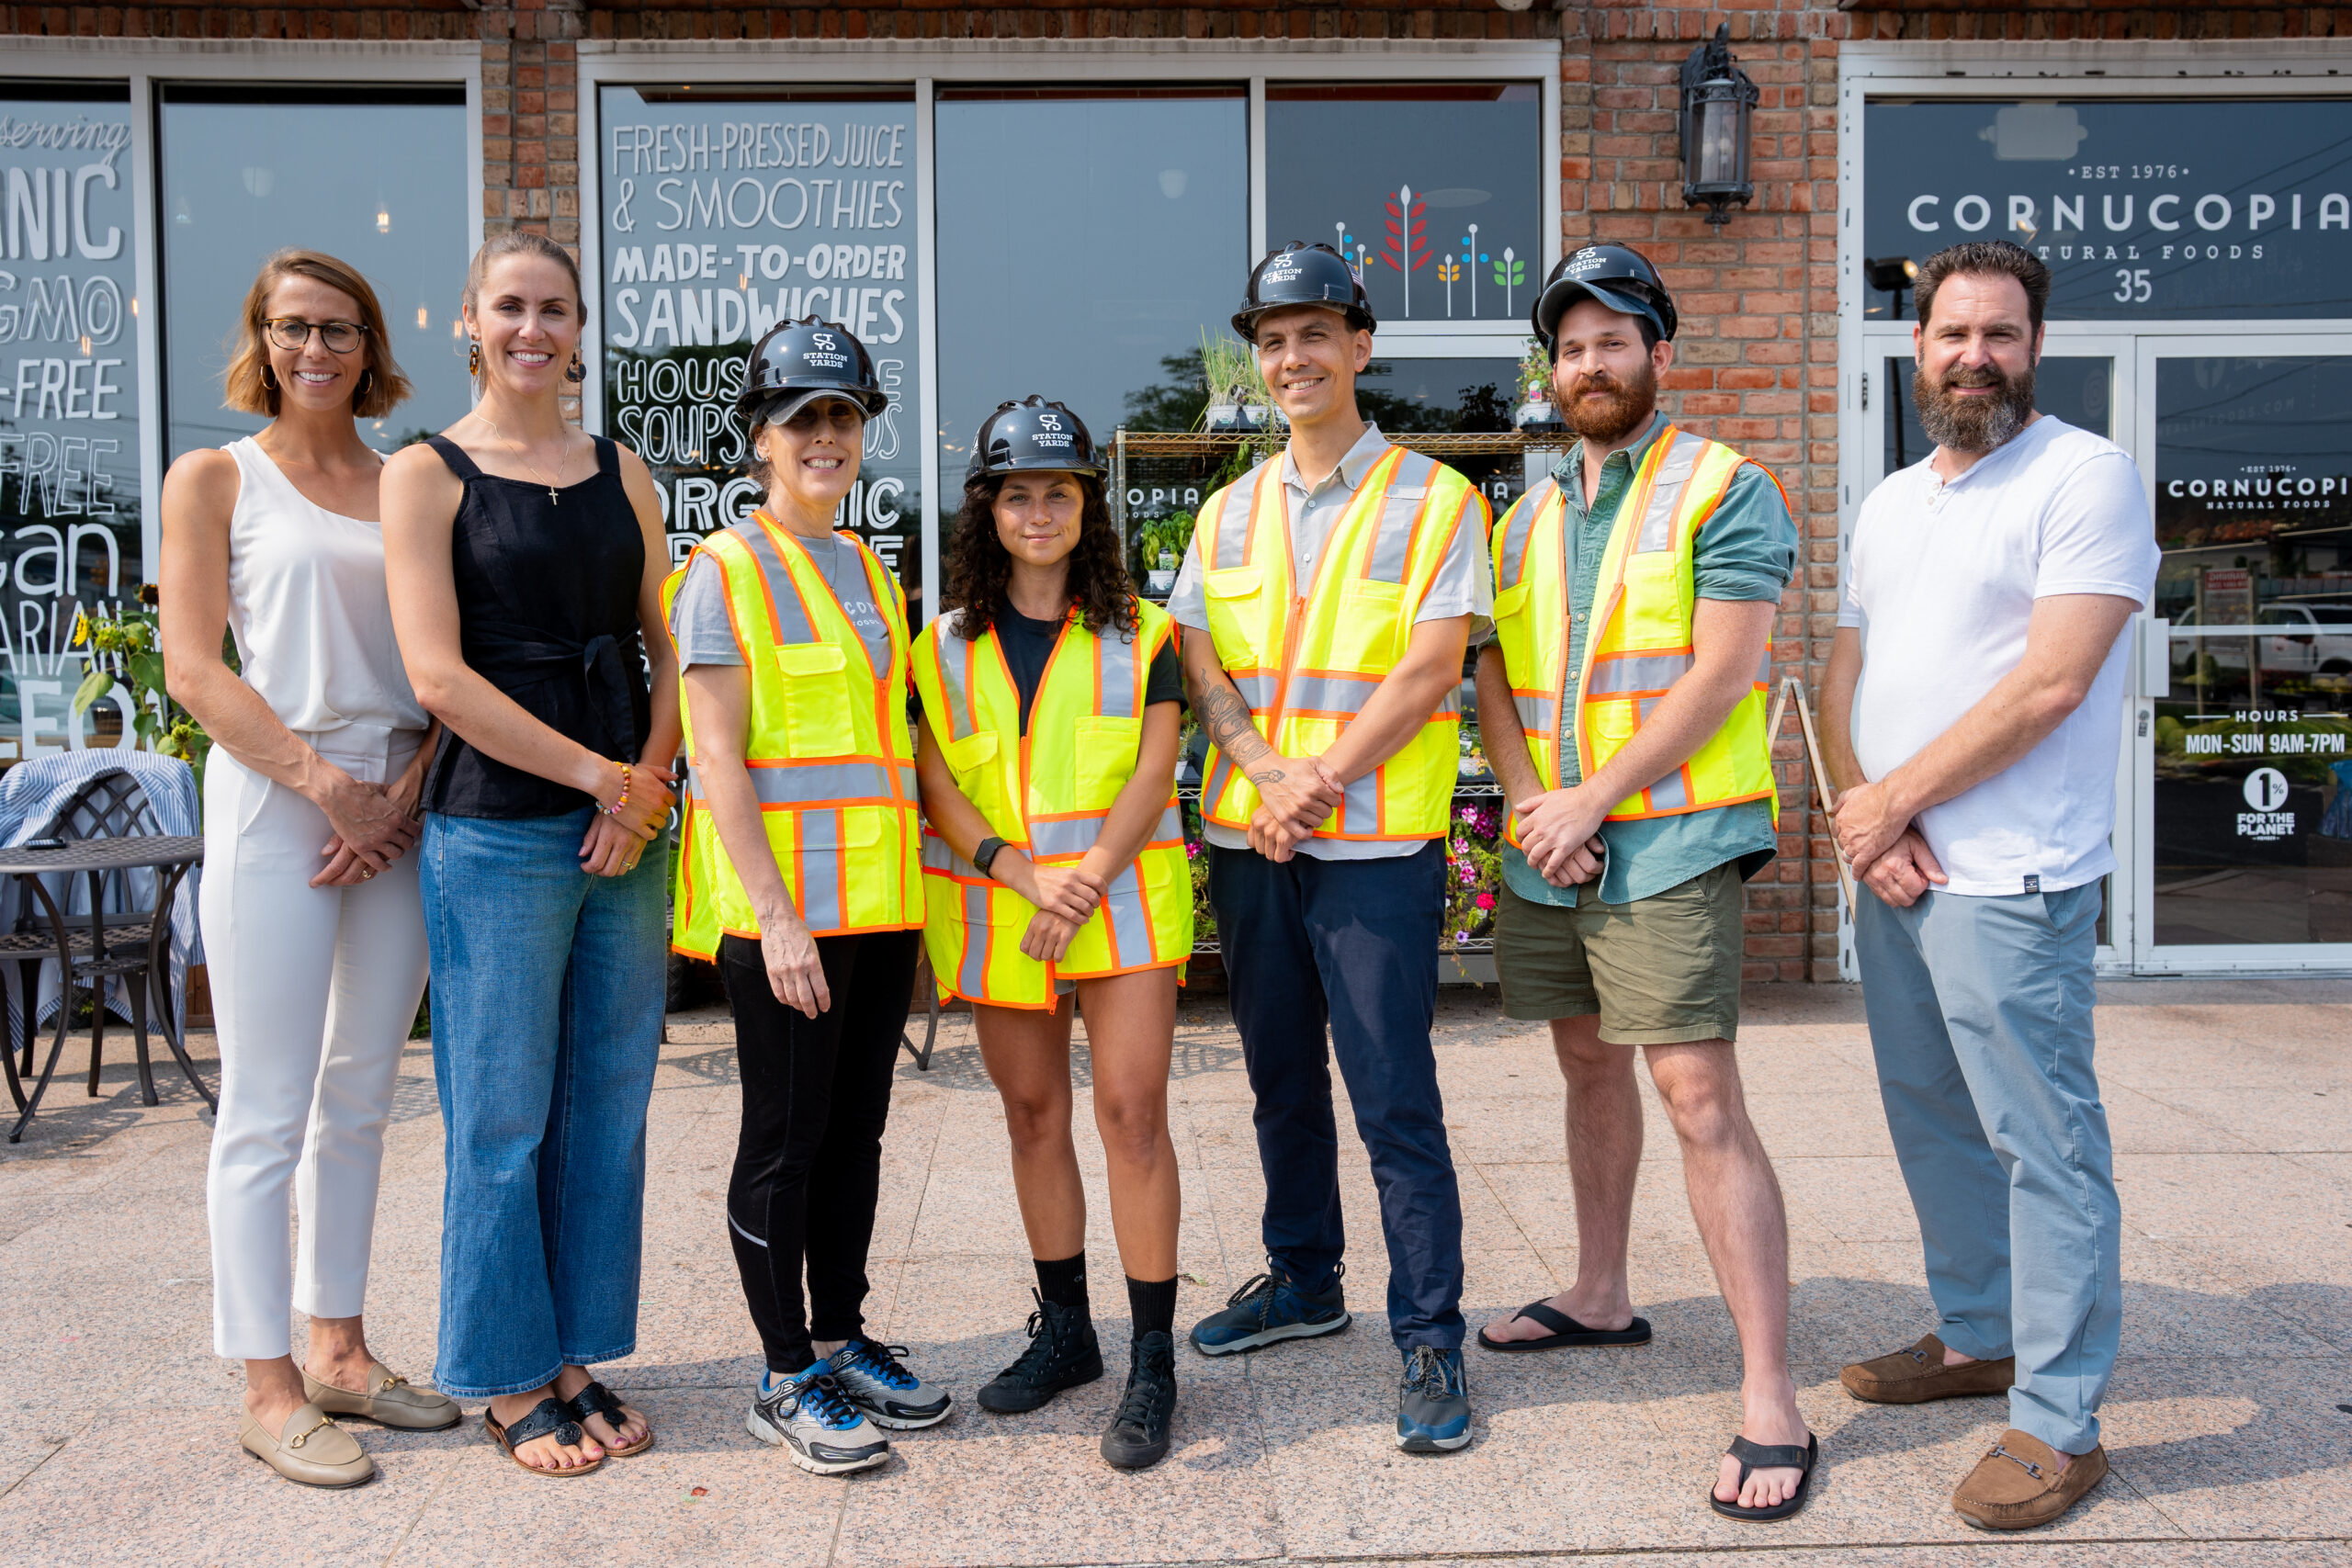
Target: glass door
(2243, 785)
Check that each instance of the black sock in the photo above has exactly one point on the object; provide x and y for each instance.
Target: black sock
(1153, 1303)
(1063, 1281)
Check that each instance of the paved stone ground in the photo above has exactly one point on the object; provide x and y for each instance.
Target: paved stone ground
(2229, 1423)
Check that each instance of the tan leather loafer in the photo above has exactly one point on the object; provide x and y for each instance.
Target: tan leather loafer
(310, 1450)
(391, 1400)
(1917, 1375)
(2017, 1485)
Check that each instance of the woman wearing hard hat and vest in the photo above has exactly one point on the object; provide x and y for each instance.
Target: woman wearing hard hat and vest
(1055, 865)
(798, 873)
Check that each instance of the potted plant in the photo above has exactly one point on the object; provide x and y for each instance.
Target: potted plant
(1159, 545)
(1536, 410)
(1238, 397)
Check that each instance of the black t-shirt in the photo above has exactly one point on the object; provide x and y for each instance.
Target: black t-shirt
(1028, 644)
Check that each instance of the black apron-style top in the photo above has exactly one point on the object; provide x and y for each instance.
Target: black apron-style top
(547, 613)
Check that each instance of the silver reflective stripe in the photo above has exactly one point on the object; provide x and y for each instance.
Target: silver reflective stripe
(1233, 518)
(1065, 836)
(822, 780)
(1360, 805)
(1330, 694)
(1118, 656)
(1764, 666)
(1673, 473)
(1537, 715)
(972, 978)
(791, 614)
(820, 881)
(1258, 691)
(1407, 490)
(908, 786)
(1521, 526)
(1667, 793)
(1220, 780)
(1172, 826)
(739, 1230)
(1637, 673)
(1129, 929)
(954, 667)
(937, 856)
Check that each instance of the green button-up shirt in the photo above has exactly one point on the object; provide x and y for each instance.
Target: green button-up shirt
(1747, 550)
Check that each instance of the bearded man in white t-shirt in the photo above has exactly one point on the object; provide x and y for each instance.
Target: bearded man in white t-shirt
(1972, 717)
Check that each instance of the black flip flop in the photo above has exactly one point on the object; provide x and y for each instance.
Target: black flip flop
(1566, 1333)
(1754, 1457)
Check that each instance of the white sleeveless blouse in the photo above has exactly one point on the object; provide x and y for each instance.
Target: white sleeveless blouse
(308, 607)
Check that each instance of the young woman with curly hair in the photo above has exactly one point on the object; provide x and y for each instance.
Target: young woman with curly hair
(1054, 868)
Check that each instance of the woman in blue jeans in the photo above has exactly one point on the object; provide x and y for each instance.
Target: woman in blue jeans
(525, 560)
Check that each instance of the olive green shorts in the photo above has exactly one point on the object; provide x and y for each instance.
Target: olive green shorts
(1660, 971)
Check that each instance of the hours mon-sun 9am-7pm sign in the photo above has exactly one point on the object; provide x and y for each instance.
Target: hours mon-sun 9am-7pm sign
(724, 212)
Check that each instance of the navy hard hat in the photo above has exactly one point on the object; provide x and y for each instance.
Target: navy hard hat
(1617, 275)
(1033, 436)
(797, 363)
(1301, 274)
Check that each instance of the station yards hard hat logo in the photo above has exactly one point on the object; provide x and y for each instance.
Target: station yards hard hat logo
(1588, 259)
(824, 340)
(1050, 421)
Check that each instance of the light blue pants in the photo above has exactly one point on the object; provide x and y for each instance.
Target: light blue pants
(1980, 1016)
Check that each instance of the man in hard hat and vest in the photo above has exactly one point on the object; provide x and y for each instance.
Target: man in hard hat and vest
(1634, 591)
(1329, 594)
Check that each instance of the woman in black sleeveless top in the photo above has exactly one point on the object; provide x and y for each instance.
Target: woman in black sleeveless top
(525, 561)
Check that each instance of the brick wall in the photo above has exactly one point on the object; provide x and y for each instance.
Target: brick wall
(1757, 363)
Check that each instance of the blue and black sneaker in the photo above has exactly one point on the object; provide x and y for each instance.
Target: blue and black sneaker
(870, 1373)
(1433, 1403)
(808, 1417)
(1269, 1308)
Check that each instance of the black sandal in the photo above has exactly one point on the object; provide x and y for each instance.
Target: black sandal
(598, 1400)
(1754, 1457)
(547, 1420)
(1566, 1333)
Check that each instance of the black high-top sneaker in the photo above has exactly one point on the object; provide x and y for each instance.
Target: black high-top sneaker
(1138, 1434)
(1062, 1354)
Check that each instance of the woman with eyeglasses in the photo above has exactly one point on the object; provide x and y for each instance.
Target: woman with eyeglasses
(525, 561)
(313, 929)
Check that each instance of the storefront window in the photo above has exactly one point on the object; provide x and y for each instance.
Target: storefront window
(2079, 389)
(2230, 209)
(725, 211)
(371, 175)
(2253, 776)
(1433, 190)
(70, 501)
(1087, 241)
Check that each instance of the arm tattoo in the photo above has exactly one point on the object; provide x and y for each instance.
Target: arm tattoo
(1226, 719)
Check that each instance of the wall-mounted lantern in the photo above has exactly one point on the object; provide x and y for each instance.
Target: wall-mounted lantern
(1718, 102)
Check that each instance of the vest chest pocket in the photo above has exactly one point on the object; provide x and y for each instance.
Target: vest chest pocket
(817, 721)
(1236, 623)
(1369, 635)
(1106, 759)
(972, 760)
(1515, 631)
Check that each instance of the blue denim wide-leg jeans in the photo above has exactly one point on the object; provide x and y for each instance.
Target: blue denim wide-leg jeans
(548, 989)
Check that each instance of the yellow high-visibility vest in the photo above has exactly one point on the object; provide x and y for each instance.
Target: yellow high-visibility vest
(1046, 794)
(1306, 659)
(830, 753)
(1638, 642)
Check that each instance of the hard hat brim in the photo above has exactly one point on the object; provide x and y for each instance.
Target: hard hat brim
(1245, 323)
(780, 408)
(1564, 292)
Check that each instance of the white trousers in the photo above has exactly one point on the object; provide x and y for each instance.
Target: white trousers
(313, 991)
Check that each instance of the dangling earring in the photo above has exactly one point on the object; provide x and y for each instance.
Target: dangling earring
(473, 358)
(268, 379)
(575, 372)
(359, 393)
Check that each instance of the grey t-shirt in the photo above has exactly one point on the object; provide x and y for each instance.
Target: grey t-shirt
(1464, 585)
(705, 633)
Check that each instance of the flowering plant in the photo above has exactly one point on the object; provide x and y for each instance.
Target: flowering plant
(126, 650)
(1472, 870)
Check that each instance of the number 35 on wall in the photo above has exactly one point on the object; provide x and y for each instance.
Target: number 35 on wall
(2132, 287)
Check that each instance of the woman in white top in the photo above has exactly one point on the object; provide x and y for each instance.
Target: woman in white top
(312, 926)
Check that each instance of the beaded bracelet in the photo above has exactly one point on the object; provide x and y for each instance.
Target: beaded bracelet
(615, 808)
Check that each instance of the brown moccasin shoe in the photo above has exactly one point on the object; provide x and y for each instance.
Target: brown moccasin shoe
(2017, 1485)
(1917, 1375)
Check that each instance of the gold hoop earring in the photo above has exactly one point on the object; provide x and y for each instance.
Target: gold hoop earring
(473, 358)
(359, 392)
(268, 381)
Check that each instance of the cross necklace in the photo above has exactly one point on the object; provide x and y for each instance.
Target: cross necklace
(522, 456)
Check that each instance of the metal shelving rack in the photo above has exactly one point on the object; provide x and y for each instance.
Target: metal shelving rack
(1196, 456)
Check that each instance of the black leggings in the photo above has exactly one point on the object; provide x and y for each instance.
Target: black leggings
(809, 1164)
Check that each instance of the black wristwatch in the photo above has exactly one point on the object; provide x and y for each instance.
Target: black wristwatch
(985, 856)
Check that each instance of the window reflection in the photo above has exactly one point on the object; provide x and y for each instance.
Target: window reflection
(1086, 240)
(374, 176)
(1434, 190)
